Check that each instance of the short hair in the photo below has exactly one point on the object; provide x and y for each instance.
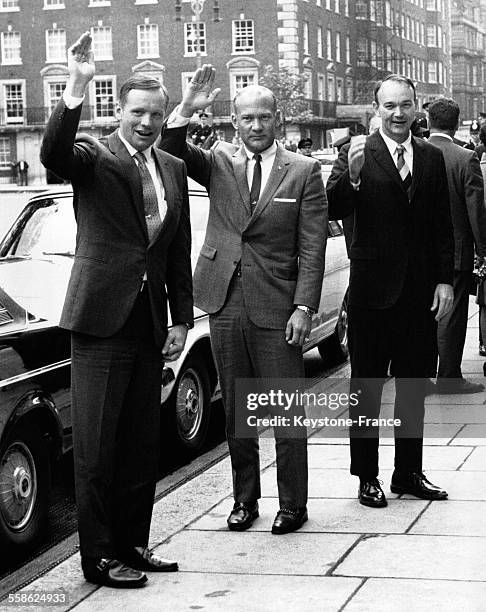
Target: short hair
(397, 78)
(262, 91)
(140, 81)
(482, 134)
(444, 114)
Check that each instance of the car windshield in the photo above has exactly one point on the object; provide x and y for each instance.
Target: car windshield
(48, 230)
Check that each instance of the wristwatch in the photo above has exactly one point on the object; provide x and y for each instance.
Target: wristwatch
(308, 311)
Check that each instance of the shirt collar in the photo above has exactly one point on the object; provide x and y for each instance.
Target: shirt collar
(132, 150)
(272, 149)
(392, 144)
(442, 135)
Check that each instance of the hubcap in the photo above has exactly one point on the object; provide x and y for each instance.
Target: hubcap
(18, 486)
(190, 405)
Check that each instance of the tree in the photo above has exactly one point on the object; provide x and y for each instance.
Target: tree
(289, 89)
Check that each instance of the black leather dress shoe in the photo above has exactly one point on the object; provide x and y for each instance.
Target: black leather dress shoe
(242, 516)
(371, 494)
(145, 560)
(289, 519)
(482, 350)
(457, 386)
(415, 483)
(112, 573)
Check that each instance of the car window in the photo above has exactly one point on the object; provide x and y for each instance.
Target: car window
(50, 229)
(199, 205)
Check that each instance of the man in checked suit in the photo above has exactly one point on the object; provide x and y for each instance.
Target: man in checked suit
(401, 272)
(132, 256)
(258, 276)
(468, 212)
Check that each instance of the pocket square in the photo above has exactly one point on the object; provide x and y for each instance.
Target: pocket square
(284, 199)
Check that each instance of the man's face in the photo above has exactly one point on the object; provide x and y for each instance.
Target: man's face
(256, 120)
(203, 121)
(306, 150)
(141, 117)
(396, 107)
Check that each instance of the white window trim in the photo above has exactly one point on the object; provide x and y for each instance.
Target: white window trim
(103, 58)
(233, 38)
(46, 82)
(3, 83)
(233, 72)
(149, 56)
(146, 1)
(102, 3)
(57, 60)
(14, 62)
(55, 7)
(195, 53)
(92, 96)
(9, 9)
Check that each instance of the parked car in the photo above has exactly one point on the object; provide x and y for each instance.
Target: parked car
(36, 256)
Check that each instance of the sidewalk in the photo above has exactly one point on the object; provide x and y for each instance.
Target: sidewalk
(412, 556)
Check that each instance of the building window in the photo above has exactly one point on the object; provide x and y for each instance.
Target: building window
(439, 36)
(195, 39)
(321, 87)
(329, 44)
(99, 3)
(54, 93)
(432, 72)
(104, 98)
(336, 6)
(5, 153)
(348, 50)
(56, 45)
(305, 37)
(146, 1)
(320, 48)
(361, 9)
(346, 8)
(54, 4)
(388, 15)
(328, 5)
(431, 36)
(10, 43)
(339, 90)
(349, 91)
(362, 51)
(243, 36)
(148, 40)
(9, 5)
(102, 47)
(338, 46)
(13, 102)
(331, 88)
(388, 60)
(241, 80)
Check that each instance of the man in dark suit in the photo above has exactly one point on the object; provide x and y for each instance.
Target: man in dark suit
(401, 270)
(258, 276)
(132, 255)
(468, 213)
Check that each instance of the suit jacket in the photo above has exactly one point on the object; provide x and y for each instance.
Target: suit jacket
(112, 247)
(466, 193)
(281, 246)
(393, 235)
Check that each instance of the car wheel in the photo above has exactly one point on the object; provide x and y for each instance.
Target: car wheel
(190, 403)
(24, 488)
(335, 349)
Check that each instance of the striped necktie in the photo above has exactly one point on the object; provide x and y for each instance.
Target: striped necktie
(150, 201)
(403, 169)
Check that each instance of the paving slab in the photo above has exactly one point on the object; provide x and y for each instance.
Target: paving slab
(458, 484)
(435, 457)
(312, 554)
(476, 461)
(328, 515)
(417, 556)
(435, 434)
(461, 518)
(471, 435)
(228, 593)
(455, 413)
(397, 595)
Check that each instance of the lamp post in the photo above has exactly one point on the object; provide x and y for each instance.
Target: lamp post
(197, 7)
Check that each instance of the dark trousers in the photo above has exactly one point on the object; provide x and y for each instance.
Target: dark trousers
(451, 329)
(115, 415)
(399, 338)
(243, 350)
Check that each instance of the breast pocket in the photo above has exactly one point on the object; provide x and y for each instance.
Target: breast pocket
(208, 251)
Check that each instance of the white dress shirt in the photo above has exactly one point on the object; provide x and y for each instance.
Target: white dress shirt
(392, 147)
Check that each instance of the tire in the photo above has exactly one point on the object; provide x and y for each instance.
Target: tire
(24, 489)
(190, 405)
(334, 350)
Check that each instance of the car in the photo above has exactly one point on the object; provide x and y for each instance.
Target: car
(36, 256)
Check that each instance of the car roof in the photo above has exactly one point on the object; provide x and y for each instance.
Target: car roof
(67, 190)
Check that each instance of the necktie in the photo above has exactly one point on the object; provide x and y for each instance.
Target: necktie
(256, 183)
(403, 169)
(150, 202)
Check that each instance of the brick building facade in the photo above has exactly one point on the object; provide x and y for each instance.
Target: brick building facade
(321, 38)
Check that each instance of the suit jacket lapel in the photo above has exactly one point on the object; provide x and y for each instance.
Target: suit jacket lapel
(132, 175)
(239, 161)
(382, 155)
(279, 170)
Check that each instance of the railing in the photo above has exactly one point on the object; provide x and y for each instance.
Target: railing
(21, 116)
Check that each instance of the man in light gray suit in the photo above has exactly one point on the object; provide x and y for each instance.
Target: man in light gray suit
(468, 212)
(258, 276)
